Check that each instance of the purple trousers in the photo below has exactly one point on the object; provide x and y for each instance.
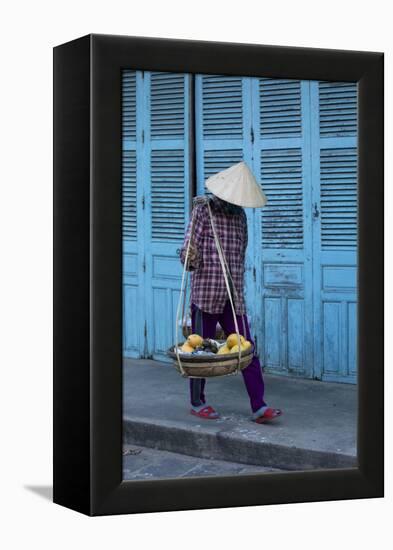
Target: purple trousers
(205, 325)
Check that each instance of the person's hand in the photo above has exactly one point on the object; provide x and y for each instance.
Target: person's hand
(192, 255)
(193, 258)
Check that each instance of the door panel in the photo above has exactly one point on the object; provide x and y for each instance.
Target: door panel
(167, 177)
(273, 329)
(132, 222)
(283, 228)
(156, 181)
(334, 153)
(296, 335)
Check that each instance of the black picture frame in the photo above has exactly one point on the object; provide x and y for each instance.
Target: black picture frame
(88, 274)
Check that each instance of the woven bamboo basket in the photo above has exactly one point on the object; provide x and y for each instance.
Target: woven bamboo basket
(207, 366)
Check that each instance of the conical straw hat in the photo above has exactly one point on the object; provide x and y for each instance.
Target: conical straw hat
(237, 185)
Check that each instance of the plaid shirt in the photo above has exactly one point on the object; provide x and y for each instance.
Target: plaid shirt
(208, 289)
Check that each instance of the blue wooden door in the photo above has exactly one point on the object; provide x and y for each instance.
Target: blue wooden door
(241, 118)
(167, 175)
(299, 138)
(156, 201)
(334, 176)
(133, 234)
(283, 232)
(302, 154)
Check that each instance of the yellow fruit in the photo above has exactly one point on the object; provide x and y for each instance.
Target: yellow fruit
(223, 349)
(234, 349)
(187, 348)
(246, 344)
(232, 340)
(194, 340)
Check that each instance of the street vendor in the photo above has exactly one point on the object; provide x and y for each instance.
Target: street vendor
(232, 189)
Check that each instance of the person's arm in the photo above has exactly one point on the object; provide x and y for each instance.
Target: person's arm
(245, 238)
(244, 216)
(195, 252)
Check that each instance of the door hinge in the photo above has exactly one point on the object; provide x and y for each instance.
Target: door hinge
(143, 136)
(315, 211)
(252, 134)
(144, 265)
(254, 274)
(143, 202)
(145, 330)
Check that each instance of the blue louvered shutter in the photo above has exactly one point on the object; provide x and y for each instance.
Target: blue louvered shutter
(281, 167)
(129, 155)
(337, 109)
(168, 206)
(131, 217)
(220, 124)
(167, 199)
(129, 195)
(283, 237)
(338, 170)
(280, 108)
(168, 164)
(282, 181)
(335, 247)
(338, 164)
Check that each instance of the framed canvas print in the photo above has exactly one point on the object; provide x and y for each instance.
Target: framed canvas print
(218, 274)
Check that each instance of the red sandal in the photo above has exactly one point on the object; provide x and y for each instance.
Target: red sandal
(206, 412)
(268, 414)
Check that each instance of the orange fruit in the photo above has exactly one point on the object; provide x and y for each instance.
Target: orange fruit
(232, 340)
(186, 348)
(194, 340)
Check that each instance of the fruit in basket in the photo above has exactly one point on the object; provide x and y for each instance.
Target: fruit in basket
(194, 340)
(243, 346)
(186, 348)
(223, 350)
(232, 340)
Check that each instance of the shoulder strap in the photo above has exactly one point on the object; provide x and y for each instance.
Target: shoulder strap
(202, 199)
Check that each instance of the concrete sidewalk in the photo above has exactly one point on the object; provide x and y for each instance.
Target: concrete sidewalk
(317, 429)
(146, 463)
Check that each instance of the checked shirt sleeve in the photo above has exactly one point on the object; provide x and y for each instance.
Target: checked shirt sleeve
(195, 253)
(245, 240)
(244, 217)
